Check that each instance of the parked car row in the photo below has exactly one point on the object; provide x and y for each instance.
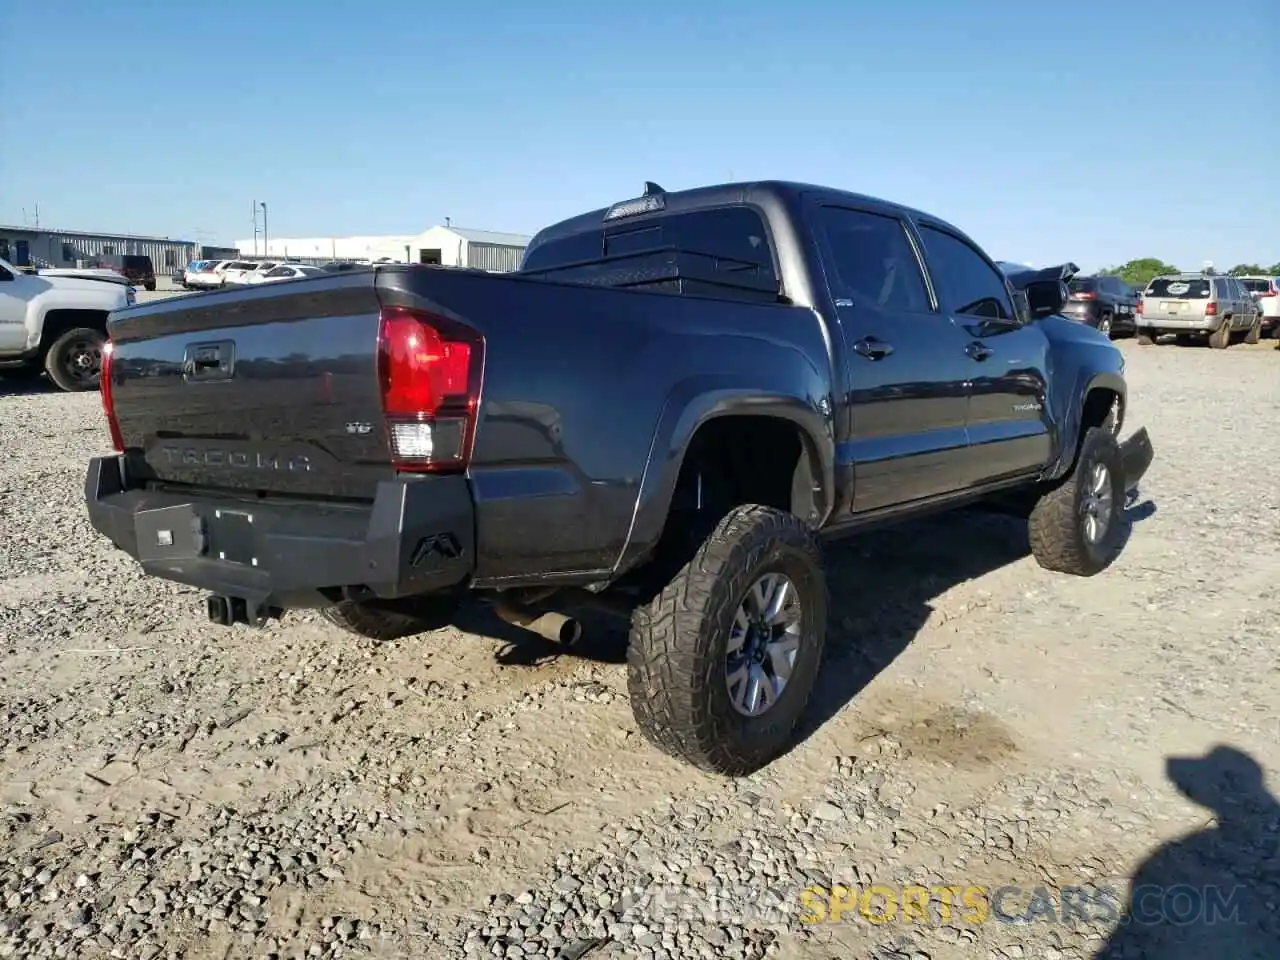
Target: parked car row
(1223, 309)
(215, 274)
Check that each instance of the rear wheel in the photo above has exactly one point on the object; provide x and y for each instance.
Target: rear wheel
(391, 619)
(74, 360)
(1104, 324)
(722, 661)
(1220, 339)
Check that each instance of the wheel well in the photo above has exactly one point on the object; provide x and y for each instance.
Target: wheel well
(1098, 404)
(731, 461)
(58, 322)
(746, 459)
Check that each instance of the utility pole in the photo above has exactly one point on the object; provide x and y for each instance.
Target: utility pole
(253, 209)
(266, 244)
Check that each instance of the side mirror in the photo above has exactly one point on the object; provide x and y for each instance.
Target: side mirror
(1045, 297)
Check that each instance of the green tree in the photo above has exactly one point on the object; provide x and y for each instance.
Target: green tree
(1138, 273)
(1274, 271)
(1246, 270)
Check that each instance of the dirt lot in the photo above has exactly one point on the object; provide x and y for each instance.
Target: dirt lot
(173, 789)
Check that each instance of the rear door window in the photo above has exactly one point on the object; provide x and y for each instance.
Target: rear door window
(1174, 288)
(873, 263)
(1255, 286)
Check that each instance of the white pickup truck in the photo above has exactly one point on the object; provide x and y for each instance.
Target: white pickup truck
(57, 323)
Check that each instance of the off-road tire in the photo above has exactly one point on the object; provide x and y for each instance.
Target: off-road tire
(1056, 524)
(1255, 331)
(391, 620)
(1220, 339)
(1146, 336)
(676, 658)
(55, 359)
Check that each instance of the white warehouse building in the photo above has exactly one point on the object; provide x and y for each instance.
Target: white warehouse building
(449, 246)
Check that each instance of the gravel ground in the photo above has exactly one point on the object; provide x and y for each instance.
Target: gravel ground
(173, 789)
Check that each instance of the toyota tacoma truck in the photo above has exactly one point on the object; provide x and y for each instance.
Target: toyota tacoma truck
(57, 323)
(667, 408)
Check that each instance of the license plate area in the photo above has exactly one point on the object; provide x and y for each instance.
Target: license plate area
(232, 537)
(170, 533)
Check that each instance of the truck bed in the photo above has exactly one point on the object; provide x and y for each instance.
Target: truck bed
(286, 400)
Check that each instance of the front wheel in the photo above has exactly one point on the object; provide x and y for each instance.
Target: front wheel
(1075, 526)
(1255, 331)
(1220, 339)
(722, 661)
(74, 360)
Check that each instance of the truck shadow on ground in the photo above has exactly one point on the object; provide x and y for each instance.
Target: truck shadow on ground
(882, 585)
(1213, 892)
(21, 385)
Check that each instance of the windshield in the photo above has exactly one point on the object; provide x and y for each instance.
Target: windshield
(1196, 288)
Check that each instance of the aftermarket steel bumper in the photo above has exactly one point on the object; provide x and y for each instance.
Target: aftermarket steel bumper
(418, 536)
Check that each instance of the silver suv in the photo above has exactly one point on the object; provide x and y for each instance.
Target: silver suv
(1196, 304)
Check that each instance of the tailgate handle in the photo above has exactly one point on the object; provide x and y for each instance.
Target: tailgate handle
(209, 361)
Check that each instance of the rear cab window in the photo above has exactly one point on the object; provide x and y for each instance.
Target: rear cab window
(1176, 288)
(721, 252)
(1088, 285)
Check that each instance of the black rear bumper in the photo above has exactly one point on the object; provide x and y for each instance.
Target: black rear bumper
(417, 537)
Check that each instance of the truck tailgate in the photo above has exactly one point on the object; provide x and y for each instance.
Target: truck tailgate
(272, 389)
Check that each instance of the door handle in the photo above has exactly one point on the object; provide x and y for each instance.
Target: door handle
(978, 351)
(872, 349)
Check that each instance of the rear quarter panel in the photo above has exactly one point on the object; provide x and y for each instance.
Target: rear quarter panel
(586, 390)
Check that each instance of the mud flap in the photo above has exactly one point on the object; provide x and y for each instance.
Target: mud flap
(1136, 455)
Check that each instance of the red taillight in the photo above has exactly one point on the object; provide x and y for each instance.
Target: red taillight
(1210, 309)
(429, 368)
(1084, 295)
(1138, 308)
(108, 405)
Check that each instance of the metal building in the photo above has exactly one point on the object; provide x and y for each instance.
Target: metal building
(38, 247)
(464, 247)
(449, 246)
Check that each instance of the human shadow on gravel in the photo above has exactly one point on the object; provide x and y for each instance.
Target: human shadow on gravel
(1212, 895)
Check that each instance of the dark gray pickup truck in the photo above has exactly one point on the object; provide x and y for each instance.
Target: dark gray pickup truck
(664, 409)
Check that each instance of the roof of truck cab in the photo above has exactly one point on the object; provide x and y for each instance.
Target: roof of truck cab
(728, 194)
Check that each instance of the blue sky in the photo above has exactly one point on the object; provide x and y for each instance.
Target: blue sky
(1048, 132)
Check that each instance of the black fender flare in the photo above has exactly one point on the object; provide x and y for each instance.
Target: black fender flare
(1073, 415)
(699, 400)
